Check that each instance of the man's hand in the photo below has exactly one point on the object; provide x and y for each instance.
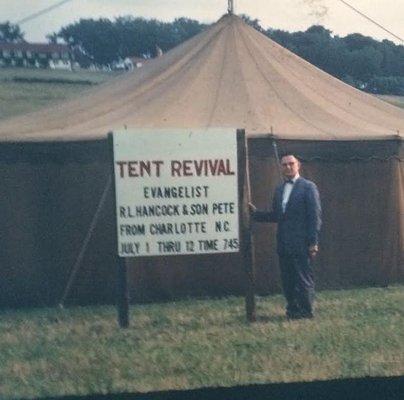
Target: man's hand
(313, 250)
(252, 208)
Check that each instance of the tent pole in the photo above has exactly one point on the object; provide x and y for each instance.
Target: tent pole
(87, 239)
(278, 161)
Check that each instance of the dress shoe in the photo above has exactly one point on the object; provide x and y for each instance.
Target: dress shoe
(300, 315)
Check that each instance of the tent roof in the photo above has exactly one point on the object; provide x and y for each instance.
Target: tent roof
(229, 76)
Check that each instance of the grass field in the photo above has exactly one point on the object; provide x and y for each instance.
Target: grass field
(197, 343)
(26, 90)
(395, 100)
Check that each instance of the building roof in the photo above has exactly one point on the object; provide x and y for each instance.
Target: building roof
(139, 59)
(228, 76)
(35, 47)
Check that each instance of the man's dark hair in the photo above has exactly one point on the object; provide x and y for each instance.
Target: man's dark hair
(286, 154)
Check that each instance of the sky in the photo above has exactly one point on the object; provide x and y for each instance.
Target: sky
(291, 15)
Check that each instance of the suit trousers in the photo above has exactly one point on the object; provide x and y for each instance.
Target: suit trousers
(298, 283)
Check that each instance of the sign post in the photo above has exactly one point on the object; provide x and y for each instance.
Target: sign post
(178, 192)
(245, 228)
(122, 273)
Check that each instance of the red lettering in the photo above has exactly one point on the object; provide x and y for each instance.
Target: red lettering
(187, 164)
(158, 164)
(175, 168)
(228, 168)
(199, 166)
(145, 166)
(213, 166)
(121, 165)
(221, 169)
(132, 169)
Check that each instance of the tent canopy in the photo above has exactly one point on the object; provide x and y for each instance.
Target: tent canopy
(229, 76)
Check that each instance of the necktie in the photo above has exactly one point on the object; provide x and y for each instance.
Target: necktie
(289, 181)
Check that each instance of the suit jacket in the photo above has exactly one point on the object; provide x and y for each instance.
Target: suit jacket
(299, 225)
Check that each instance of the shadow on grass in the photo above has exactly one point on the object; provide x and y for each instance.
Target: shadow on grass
(261, 319)
(264, 319)
(346, 389)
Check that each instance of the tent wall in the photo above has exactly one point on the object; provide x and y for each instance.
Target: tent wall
(51, 192)
(362, 199)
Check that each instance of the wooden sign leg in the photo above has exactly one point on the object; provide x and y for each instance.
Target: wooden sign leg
(123, 294)
(249, 264)
(122, 273)
(245, 231)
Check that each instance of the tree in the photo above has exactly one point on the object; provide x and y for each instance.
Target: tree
(98, 38)
(315, 45)
(107, 41)
(364, 64)
(10, 33)
(356, 41)
(359, 60)
(387, 85)
(255, 23)
(52, 38)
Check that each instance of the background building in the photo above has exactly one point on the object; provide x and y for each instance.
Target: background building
(36, 55)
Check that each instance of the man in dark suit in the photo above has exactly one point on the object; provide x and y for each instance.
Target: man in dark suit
(297, 211)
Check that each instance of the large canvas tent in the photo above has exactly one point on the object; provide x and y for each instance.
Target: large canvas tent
(55, 166)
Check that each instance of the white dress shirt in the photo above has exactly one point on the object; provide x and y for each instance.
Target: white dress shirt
(287, 190)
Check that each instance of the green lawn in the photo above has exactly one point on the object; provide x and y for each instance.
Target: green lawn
(7, 74)
(25, 90)
(197, 343)
(395, 100)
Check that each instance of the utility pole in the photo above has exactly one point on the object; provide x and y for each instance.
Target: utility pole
(230, 6)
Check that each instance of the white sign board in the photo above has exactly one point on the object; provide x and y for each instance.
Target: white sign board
(176, 192)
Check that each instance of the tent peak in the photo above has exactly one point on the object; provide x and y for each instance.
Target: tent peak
(230, 7)
(230, 18)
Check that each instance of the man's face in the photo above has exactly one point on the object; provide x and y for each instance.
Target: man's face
(290, 166)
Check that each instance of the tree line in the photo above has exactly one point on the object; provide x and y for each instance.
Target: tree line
(106, 41)
(358, 60)
(361, 61)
